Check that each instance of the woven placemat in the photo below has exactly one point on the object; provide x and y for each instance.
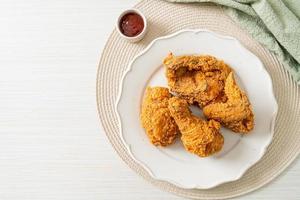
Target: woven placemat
(165, 18)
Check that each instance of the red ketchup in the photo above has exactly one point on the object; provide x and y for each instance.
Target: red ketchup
(131, 24)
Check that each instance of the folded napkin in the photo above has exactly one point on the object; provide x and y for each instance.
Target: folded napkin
(274, 23)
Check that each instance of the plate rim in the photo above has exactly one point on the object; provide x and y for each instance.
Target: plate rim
(142, 164)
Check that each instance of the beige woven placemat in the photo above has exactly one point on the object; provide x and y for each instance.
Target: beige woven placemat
(165, 18)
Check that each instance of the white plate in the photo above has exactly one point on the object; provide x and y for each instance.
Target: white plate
(173, 163)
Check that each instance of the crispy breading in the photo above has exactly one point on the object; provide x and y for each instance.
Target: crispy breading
(197, 78)
(155, 117)
(198, 136)
(236, 113)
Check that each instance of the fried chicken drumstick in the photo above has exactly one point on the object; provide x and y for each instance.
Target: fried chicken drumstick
(156, 118)
(198, 136)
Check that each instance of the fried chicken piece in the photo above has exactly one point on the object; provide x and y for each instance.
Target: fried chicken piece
(156, 118)
(198, 79)
(236, 113)
(198, 136)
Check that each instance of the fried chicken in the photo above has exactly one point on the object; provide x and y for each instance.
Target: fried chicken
(155, 117)
(198, 79)
(198, 136)
(235, 113)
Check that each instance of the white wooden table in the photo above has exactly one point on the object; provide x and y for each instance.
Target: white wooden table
(51, 143)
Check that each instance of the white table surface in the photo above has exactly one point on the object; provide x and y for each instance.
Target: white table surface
(52, 145)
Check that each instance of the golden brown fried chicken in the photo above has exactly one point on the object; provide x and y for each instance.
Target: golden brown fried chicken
(155, 117)
(198, 79)
(235, 113)
(198, 136)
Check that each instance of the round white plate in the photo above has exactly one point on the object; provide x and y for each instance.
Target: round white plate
(173, 163)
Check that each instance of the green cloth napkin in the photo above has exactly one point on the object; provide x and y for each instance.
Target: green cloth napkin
(274, 23)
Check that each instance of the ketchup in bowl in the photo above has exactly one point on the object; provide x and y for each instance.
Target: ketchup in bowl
(131, 24)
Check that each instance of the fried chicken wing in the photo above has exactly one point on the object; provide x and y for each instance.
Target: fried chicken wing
(155, 117)
(198, 136)
(197, 78)
(236, 113)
